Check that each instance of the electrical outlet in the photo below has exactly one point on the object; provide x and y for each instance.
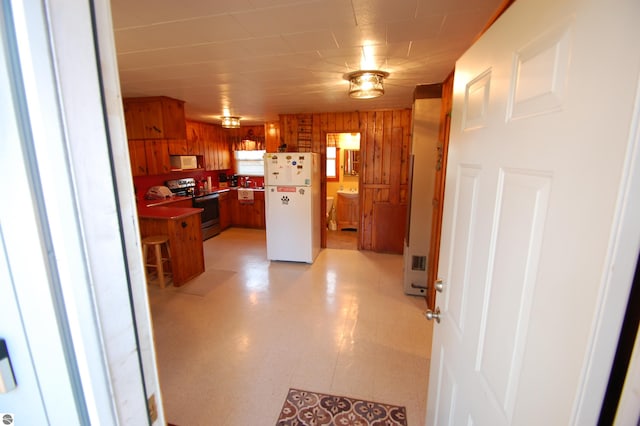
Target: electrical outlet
(153, 408)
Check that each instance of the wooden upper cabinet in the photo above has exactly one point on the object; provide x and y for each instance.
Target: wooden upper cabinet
(209, 140)
(157, 117)
(178, 147)
(195, 140)
(137, 157)
(157, 153)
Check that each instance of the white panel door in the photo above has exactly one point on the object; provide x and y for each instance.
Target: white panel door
(537, 153)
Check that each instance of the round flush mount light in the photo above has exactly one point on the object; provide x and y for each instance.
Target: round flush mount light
(366, 84)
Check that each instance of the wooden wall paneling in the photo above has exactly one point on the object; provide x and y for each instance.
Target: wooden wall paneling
(387, 144)
(272, 136)
(319, 136)
(338, 121)
(369, 149)
(385, 147)
(290, 132)
(396, 162)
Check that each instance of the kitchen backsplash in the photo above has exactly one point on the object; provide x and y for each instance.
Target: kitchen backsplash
(143, 183)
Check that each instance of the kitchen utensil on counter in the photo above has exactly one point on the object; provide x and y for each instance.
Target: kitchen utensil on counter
(158, 193)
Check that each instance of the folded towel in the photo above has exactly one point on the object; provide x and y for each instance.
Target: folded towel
(245, 196)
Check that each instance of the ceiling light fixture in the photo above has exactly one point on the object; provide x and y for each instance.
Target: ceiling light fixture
(229, 122)
(366, 84)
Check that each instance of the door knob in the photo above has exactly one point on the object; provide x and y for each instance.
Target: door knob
(439, 285)
(433, 315)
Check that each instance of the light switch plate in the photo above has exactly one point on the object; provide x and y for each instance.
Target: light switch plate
(7, 379)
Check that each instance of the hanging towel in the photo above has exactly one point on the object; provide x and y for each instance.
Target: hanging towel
(245, 196)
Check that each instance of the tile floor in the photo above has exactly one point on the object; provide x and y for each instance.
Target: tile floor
(341, 326)
(344, 240)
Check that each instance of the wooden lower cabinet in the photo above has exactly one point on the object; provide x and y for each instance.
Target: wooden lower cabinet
(248, 215)
(185, 242)
(226, 209)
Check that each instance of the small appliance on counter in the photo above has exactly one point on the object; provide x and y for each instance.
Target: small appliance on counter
(233, 181)
(158, 193)
(222, 179)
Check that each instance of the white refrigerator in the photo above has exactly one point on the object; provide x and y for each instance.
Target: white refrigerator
(292, 205)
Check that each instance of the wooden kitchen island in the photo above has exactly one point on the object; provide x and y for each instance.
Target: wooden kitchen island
(182, 226)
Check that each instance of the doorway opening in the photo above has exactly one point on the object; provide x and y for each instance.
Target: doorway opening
(342, 182)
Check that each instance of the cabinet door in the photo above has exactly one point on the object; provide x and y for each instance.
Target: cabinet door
(249, 215)
(195, 138)
(187, 256)
(157, 152)
(225, 210)
(172, 119)
(152, 119)
(347, 212)
(178, 147)
(137, 157)
(134, 120)
(211, 156)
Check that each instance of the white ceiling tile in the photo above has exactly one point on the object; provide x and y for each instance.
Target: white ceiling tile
(310, 41)
(415, 29)
(297, 18)
(374, 11)
(127, 13)
(262, 58)
(181, 33)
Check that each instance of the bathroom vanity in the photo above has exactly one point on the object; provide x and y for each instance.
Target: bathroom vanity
(347, 210)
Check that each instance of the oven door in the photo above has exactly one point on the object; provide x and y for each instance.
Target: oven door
(210, 214)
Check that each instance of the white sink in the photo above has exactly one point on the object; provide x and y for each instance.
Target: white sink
(349, 194)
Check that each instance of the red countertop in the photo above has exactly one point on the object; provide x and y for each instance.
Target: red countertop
(169, 213)
(161, 209)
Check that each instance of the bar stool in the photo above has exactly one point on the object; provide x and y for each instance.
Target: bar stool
(156, 242)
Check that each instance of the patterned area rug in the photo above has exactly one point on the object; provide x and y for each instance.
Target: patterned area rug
(304, 408)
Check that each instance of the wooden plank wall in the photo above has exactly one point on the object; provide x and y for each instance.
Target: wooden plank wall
(385, 147)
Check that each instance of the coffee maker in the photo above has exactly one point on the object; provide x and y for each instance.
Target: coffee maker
(222, 179)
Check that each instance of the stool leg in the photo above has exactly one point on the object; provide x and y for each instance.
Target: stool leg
(159, 265)
(169, 257)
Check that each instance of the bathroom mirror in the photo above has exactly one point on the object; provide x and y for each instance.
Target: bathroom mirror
(351, 162)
